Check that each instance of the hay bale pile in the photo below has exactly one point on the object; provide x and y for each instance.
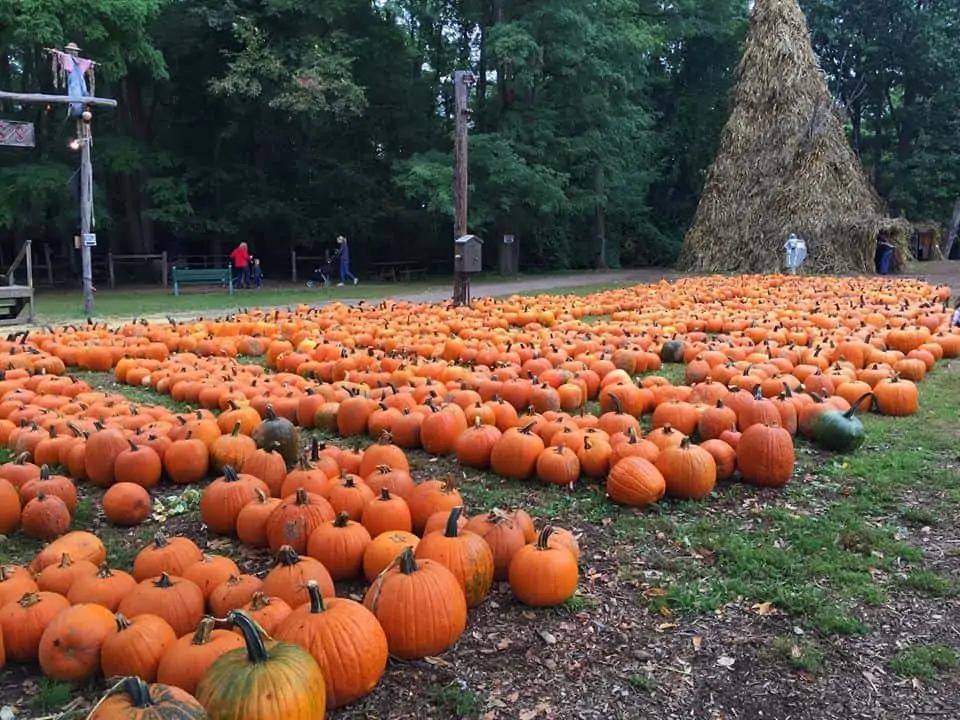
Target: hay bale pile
(785, 166)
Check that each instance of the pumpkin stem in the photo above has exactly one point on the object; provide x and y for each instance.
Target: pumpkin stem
(259, 601)
(104, 570)
(122, 622)
(453, 522)
(316, 598)
(253, 635)
(314, 449)
(65, 560)
(138, 691)
(160, 540)
(856, 405)
(287, 556)
(385, 493)
(544, 537)
(29, 600)
(685, 444)
(201, 635)
(163, 581)
(262, 497)
(230, 473)
(301, 496)
(343, 519)
(406, 561)
(617, 404)
(21, 458)
(236, 429)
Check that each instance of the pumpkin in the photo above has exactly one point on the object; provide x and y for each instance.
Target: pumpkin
(106, 587)
(69, 649)
(23, 621)
(136, 646)
(839, 431)
(430, 497)
(385, 513)
(384, 452)
(635, 482)
(288, 578)
(542, 575)
(233, 449)
(268, 612)
(60, 577)
(140, 464)
(236, 592)
(463, 553)
(384, 549)
(211, 572)
(504, 533)
(80, 544)
(339, 545)
(346, 640)
(126, 503)
(765, 455)
(50, 485)
(689, 471)
(9, 508)
(102, 449)
(420, 605)
(224, 498)
(187, 460)
(278, 433)
(398, 482)
(558, 465)
(896, 396)
(265, 681)
(267, 465)
(292, 522)
(350, 494)
(724, 456)
(475, 446)
(134, 699)
(252, 519)
(515, 454)
(44, 518)
(187, 660)
(165, 555)
(176, 600)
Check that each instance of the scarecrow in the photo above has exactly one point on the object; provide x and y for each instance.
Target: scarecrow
(72, 72)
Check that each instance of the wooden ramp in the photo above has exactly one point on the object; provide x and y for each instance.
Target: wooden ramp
(13, 299)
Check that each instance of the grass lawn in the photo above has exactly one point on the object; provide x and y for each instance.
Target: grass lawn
(858, 557)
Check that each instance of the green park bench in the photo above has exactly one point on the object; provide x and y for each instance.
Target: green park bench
(202, 276)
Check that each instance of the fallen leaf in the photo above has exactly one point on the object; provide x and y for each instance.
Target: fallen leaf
(663, 627)
(655, 592)
(440, 662)
(725, 661)
(526, 614)
(697, 642)
(764, 608)
(665, 611)
(548, 638)
(796, 652)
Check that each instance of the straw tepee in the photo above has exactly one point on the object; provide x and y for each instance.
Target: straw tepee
(785, 166)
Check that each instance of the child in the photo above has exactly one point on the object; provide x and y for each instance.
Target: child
(956, 314)
(257, 274)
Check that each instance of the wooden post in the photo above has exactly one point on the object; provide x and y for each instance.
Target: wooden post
(293, 265)
(49, 258)
(30, 277)
(163, 268)
(86, 215)
(113, 279)
(462, 79)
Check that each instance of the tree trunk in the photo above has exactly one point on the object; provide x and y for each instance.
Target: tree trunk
(135, 198)
(601, 219)
(951, 237)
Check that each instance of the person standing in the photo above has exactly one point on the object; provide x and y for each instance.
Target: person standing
(256, 273)
(343, 251)
(240, 257)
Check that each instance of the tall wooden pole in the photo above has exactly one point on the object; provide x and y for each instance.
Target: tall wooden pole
(462, 79)
(86, 212)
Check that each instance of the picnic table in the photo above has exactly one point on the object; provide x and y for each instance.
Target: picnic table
(398, 270)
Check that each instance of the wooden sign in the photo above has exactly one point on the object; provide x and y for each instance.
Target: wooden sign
(16, 133)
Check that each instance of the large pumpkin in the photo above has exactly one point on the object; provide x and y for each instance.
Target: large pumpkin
(69, 648)
(267, 680)
(543, 575)
(635, 482)
(345, 639)
(420, 606)
(765, 455)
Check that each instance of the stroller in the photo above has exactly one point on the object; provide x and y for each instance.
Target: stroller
(322, 273)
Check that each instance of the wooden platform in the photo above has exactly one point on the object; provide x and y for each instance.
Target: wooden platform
(13, 298)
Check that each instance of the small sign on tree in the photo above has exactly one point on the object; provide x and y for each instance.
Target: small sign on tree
(16, 133)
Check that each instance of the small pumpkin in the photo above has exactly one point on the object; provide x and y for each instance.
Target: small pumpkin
(234, 593)
(463, 553)
(542, 575)
(136, 646)
(224, 498)
(126, 504)
(69, 649)
(278, 433)
(265, 681)
(839, 431)
(384, 549)
(420, 605)
(339, 545)
(106, 587)
(233, 449)
(268, 612)
(23, 621)
(385, 513)
(165, 555)
(252, 519)
(689, 471)
(293, 521)
(185, 662)
(635, 482)
(134, 699)
(175, 599)
(288, 578)
(60, 577)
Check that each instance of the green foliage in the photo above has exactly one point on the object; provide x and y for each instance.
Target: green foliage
(924, 661)
(287, 122)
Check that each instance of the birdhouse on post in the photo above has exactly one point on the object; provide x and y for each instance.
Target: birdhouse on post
(468, 254)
